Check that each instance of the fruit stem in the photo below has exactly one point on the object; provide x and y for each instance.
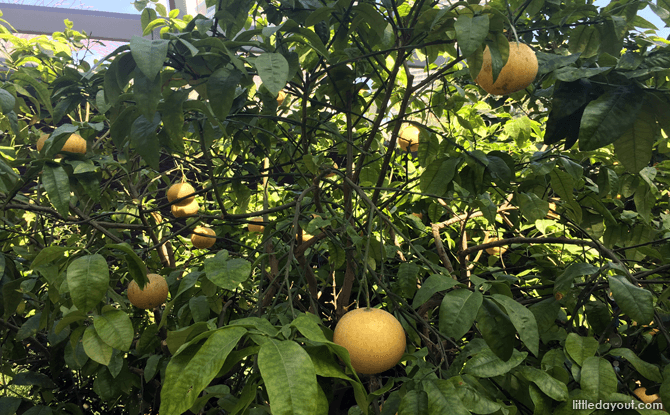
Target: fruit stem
(365, 258)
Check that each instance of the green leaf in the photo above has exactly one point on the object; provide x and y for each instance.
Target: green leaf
(308, 326)
(289, 376)
(87, 280)
(95, 347)
(433, 284)
(648, 370)
(634, 147)
(435, 179)
(471, 32)
(40, 87)
(149, 55)
(564, 281)
(563, 184)
(584, 40)
(609, 116)
(191, 371)
(553, 388)
(221, 87)
(115, 328)
(117, 76)
(57, 185)
(486, 364)
(635, 302)
(7, 101)
(458, 311)
(524, 321)
(227, 273)
(644, 201)
(144, 139)
(29, 328)
(273, 70)
(532, 207)
(135, 263)
(598, 377)
(442, 398)
(49, 254)
(497, 329)
(147, 93)
(580, 348)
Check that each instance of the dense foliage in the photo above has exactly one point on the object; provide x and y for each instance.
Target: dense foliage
(568, 179)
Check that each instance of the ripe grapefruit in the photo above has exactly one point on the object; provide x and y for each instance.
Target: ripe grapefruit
(281, 97)
(256, 228)
(496, 250)
(200, 241)
(374, 338)
(154, 293)
(184, 210)
(409, 137)
(74, 144)
(519, 71)
(179, 190)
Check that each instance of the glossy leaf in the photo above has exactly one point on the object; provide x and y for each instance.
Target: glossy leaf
(486, 364)
(273, 70)
(87, 279)
(634, 147)
(57, 185)
(648, 370)
(608, 117)
(598, 377)
(523, 320)
(190, 372)
(471, 32)
(580, 348)
(497, 329)
(227, 273)
(637, 303)
(553, 388)
(289, 377)
(149, 55)
(115, 328)
(458, 311)
(95, 347)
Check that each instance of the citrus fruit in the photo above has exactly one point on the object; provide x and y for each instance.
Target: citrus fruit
(642, 394)
(281, 97)
(179, 190)
(200, 241)
(496, 250)
(409, 137)
(256, 228)
(374, 338)
(154, 293)
(519, 71)
(74, 144)
(180, 210)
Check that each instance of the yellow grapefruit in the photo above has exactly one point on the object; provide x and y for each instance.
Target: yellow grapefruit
(184, 210)
(374, 338)
(409, 137)
(519, 71)
(179, 190)
(201, 241)
(154, 293)
(256, 228)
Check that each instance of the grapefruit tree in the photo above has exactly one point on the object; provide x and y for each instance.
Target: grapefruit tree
(306, 261)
